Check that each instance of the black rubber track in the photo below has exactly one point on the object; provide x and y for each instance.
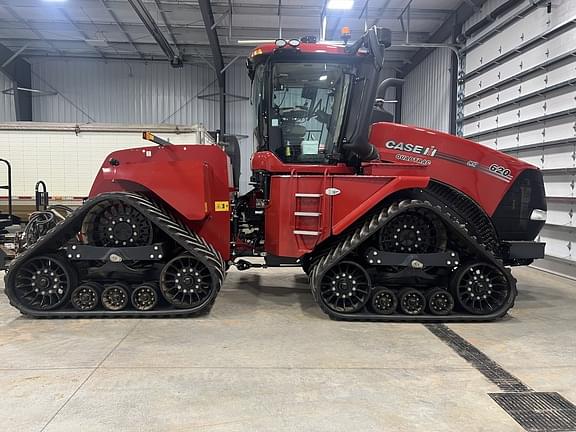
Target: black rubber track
(353, 239)
(163, 220)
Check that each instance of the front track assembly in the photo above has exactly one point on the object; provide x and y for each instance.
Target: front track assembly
(120, 254)
(411, 261)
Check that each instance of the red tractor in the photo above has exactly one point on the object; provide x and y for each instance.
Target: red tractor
(390, 222)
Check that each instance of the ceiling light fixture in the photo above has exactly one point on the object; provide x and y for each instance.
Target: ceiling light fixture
(340, 4)
(323, 78)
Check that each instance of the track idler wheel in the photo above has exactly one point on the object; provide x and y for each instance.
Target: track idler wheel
(384, 301)
(345, 287)
(440, 301)
(186, 282)
(114, 223)
(412, 301)
(86, 296)
(44, 282)
(115, 297)
(480, 288)
(145, 297)
(413, 232)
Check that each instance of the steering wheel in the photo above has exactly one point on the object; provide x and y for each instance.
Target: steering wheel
(294, 113)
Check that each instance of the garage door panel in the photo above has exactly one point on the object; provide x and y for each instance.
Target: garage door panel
(532, 156)
(559, 185)
(508, 117)
(561, 100)
(511, 93)
(508, 139)
(560, 129)
(559, 156)
(491, 142)
(559, 241)
(530, 135)
(482, 103)
(561, 74)
(560, 213)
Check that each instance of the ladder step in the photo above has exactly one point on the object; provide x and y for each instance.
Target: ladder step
(312, 214)
(309, 233)
(307, 195)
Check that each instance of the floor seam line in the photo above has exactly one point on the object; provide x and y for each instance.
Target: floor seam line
(88, 377)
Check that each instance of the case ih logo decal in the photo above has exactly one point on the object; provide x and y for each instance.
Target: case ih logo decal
(412, 148)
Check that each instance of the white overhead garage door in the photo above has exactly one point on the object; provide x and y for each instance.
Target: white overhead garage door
(520, 98)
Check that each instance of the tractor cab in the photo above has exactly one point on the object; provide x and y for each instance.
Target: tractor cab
(313, 101)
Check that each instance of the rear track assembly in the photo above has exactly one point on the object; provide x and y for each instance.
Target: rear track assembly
(62, 276)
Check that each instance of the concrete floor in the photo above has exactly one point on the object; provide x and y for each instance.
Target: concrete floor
(266, 359)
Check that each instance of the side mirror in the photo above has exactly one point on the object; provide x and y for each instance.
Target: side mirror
(384, 36)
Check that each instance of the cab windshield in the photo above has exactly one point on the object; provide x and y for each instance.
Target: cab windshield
(306, 109)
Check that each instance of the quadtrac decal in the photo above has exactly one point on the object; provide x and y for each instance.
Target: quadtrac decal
(413, 159)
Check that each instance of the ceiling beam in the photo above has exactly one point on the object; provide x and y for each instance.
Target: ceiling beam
(155, 31)
(214, 42)
(167, 24)
(20, 72)
(208, 18)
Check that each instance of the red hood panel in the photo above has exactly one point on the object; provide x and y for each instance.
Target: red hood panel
(482, 173)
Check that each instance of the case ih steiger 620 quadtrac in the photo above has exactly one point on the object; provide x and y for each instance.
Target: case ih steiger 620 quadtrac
(390, 222)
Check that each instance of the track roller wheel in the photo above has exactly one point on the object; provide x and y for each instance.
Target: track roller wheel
(115, 297)
(440, 301)
(114, 223)
(186, 282)
(44, 282)
(384, 301)
(86, 296)
(412, 301)
(481, 288)
(144, 297)
(345, 287)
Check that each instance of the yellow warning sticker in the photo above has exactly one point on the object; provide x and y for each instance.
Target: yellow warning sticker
(221, 206)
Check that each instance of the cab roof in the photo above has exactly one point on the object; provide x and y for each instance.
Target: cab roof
(306, 48)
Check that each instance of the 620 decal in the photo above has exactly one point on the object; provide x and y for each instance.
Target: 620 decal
(501, 171)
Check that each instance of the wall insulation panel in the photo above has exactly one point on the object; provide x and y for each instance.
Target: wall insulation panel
(426, 96)
(68, 161)
(520, 98)
(124, 92)
(7, 108)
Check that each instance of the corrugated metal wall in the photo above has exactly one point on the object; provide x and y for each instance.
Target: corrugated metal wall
(427, 90)
(123, 92)
(520, 99)
(7, 110)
